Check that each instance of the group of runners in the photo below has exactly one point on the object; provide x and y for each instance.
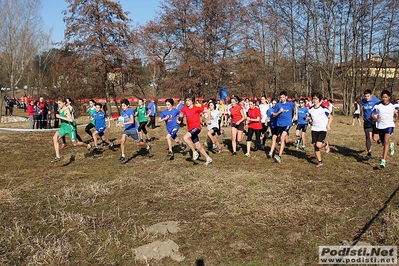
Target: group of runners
(245, 117)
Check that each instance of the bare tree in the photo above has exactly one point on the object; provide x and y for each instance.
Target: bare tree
(21, 37)
(97, 31)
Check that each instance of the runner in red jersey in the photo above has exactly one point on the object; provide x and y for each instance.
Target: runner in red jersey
(254, 126)
(193, 119)
(237, 124)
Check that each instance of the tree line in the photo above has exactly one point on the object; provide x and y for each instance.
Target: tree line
(253, 47)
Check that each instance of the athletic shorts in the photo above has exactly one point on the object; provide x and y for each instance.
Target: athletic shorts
(101, 131)
(194, 134)
(318, 136)
(275, 131)
(132, 133)
(283, 129)
(356, 115)
(173, 132)
(215, 131)
(367, 124)
(384, 131)
(68, 131)
(239, 127)
(302, 127)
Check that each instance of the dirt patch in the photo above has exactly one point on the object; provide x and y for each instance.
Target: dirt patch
(158, 250)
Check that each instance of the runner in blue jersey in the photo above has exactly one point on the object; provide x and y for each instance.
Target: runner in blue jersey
(369, 125)
(100, 125)
(286, 113)
(129, 123)
(302, 125)
(170, 117)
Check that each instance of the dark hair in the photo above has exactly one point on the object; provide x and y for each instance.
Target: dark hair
(192, 98)
(141, 99)
(170, 100)
(317, 95)
(283, 93)
(302, 99)
(69, 100)
(125, 102)
(99, 104)
(236, 98)
(92, 100)
(386, 92)
(367, 92)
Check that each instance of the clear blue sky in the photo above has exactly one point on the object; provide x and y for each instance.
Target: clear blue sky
(141, 11)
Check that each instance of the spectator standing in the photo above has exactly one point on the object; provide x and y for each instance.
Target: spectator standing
(37, 114)
(11, 107)
(356, 114)
(31, 114)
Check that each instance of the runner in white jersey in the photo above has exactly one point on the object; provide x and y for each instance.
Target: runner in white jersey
(263, 107)
(320, 118)
(213, 127)
(383, 114)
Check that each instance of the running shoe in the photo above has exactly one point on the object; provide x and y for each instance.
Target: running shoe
(297, 142)
(195, 155)
(88, 146)
(383, 163)
(379, 141)
(391, 148)
(184, 147)
(234, 153)
(303, 148)
(208, 161)
(369, 155)
(148, 149)
(214, 147)
(327, 147)
(319, 164)
(96, 150)
(170, 153)
(111, 145)
(269, 155)
(277, 158)
(103, 144)
(63, 146)
(247, 154)
(220, 150)
(56, 159)
(122, 158)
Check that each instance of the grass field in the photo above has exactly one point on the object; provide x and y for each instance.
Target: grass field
(93, 210)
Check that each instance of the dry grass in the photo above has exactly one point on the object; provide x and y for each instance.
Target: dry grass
(237, 211)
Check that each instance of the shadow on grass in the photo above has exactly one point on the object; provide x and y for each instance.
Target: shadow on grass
(141, 152)
(362, 231)
(71, 160)
(348, 152)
